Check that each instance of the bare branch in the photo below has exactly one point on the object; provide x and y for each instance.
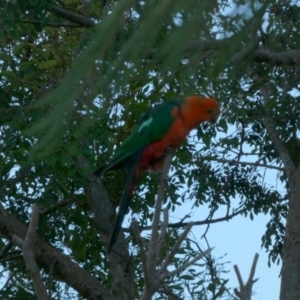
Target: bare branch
(154, 278)
(166, 263)
(27, 247)
(186, 265)
(154, 247)
(207, 221)
(252, 272)
(204, 222)
(246, 290)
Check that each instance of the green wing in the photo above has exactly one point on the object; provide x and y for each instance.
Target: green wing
(152, 126)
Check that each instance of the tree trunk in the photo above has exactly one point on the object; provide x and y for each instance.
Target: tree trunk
(290, 282)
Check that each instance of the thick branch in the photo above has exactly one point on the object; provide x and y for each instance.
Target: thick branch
(27, 247)
(70, 16)
(31, 266)
(119, 259)
(288, 58)
(65, 269)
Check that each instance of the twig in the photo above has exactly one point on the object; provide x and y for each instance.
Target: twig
(186, 265)
(60, 204)
(28, 254)
(170, 294)
(246, 290)
(5, 249)
(255, 164)
(195, 223)
(174, 250)
(10, 277)
(50, 277)
(52, 24)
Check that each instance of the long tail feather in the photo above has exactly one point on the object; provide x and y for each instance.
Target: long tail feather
(131, 181)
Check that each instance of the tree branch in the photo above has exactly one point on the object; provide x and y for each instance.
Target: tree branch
(52, 24)
(255, 164)
(119, 266)
(65, 269)
(288, 57)
(5, 249)
(246, 290)
(70, 16)
(27, 247)
(60, 203)
(204, 222)
(187, 264)
(154, 278)
(154, 245)
(274, 136)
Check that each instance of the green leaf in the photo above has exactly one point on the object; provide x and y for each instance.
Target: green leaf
(8, 74)
(206, 138)
(47, 64)
(5, 57)
(18, 48)
(223, 125)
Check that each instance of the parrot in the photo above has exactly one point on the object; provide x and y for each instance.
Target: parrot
(162, 127)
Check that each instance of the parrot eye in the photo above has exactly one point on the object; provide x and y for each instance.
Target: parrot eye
(209, 111)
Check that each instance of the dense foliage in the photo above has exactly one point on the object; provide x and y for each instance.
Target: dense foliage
(76, 75)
